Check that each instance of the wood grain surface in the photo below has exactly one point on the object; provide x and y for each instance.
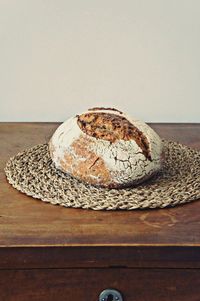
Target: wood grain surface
(25, 221)
(87, 284)
(52, 253)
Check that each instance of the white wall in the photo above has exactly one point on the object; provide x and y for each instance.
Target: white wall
(60, 57)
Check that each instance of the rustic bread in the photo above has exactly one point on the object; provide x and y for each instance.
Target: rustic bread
(105, 147)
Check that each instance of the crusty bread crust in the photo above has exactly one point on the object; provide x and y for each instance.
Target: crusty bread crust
(104, 109)
(112, 127)
(106, 148)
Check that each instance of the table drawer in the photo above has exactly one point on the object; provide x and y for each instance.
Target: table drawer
(87, 284)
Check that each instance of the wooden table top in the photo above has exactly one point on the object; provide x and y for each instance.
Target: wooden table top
(25, 221)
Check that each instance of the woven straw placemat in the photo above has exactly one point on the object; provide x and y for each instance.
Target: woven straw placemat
(33, 172)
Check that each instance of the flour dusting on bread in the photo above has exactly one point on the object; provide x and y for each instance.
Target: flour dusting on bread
(106, 148)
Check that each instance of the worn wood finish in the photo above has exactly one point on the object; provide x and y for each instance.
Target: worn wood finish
(87, 284)
(99, 257)
(52, 253)
(28, 222)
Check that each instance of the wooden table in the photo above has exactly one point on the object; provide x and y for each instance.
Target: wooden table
(49, 252)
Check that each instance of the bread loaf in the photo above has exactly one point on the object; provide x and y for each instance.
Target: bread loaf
(105, 147)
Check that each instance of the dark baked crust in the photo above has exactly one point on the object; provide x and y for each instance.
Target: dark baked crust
(102, 108)
(112, 127)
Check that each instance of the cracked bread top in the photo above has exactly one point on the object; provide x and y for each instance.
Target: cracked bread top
(106, 148)
(112, 127)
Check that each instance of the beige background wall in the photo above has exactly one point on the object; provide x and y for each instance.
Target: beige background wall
(60, 57)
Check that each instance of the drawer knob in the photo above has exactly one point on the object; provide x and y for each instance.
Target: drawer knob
(110, 295)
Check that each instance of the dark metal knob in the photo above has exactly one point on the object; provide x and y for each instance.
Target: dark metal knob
(110, 295)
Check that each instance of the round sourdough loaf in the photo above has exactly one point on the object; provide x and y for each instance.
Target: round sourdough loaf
(107, 148)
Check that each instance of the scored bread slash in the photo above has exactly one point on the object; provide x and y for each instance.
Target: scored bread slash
(112, 127)
(107, 148)
(101, 108)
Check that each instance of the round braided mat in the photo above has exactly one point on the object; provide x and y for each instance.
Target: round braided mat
(33, 172)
